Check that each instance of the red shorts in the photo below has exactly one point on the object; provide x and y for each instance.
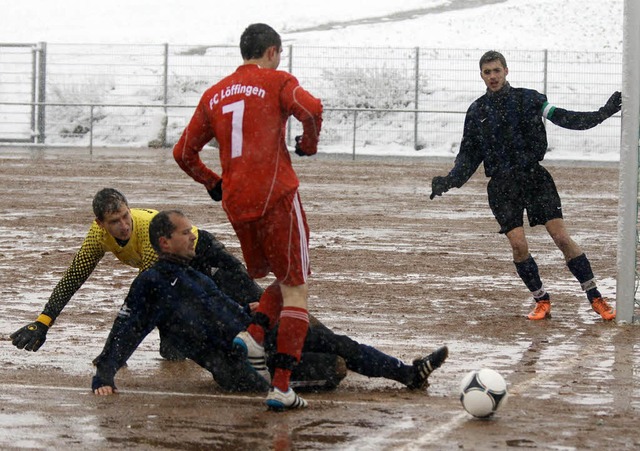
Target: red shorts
(278, 242)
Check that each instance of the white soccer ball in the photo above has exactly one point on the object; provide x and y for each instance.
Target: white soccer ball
(482, 392)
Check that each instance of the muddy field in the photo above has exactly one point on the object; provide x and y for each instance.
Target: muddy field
(391, 269)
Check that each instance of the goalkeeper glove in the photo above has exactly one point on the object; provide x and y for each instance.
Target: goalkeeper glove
(216, 191)
(439, 185)
(613, 105)
(30, 337)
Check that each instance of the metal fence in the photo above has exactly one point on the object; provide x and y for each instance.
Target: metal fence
(140, 95)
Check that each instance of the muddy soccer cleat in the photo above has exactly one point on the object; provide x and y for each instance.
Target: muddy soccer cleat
(603, 309)
(542, 310)
(279, 401)
(425, 366)
(247, 347)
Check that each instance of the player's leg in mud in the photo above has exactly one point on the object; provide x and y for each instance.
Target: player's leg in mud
(230, 373)
(362, 359)
(318, 371)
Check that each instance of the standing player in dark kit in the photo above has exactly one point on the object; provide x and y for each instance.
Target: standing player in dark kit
(504, 129)
(246, 112)
(201, 322)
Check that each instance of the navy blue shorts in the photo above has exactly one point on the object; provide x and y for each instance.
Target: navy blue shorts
(533, 191)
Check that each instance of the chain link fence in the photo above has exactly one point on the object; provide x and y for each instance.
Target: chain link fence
(412, 98)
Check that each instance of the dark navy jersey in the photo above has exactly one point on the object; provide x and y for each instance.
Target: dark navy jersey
(191, 313)
(505, 131)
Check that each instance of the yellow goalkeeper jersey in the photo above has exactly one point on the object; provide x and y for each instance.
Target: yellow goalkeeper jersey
(137, 253)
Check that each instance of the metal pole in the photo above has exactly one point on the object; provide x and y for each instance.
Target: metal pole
(546, 71)
(417, 90)
(34, 71)
(165, 96)
(42, 90)
(628, 203)
(355, 119)
(91, 130)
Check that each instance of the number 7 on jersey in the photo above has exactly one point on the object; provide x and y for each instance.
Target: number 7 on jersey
(237, 113)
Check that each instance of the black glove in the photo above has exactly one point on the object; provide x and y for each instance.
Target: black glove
(30, 337)
(98, 382)
(613, 105)
(439, 185)
(216, 191)
(299, 150)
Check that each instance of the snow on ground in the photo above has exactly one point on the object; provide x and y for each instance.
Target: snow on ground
(594, 25)
(570, 25)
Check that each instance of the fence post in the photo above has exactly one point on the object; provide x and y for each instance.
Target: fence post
(417, 91)
(165, 97)
(91, 130)
(34, 86)
(355, 120)
(42, 90)
(546, 71)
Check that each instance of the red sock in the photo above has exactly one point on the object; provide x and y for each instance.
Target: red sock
(271, 306)
(294, 322)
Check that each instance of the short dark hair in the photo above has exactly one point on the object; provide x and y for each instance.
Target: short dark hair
(108, 200)
(161, 225)
(493, 55)
(256, 39)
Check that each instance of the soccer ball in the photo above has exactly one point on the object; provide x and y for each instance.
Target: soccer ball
(482, 392)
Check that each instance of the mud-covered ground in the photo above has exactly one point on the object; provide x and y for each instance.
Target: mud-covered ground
(391, 268)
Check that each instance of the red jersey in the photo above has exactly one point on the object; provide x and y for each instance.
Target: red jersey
(247, 113)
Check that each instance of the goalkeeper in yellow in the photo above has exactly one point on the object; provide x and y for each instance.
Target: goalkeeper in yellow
(124, 232)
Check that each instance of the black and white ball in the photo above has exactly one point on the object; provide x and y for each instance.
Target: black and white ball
(482, 392)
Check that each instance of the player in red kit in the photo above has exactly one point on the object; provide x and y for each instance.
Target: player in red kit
(246, 113)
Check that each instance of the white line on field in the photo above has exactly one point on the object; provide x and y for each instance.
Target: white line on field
(224, 396)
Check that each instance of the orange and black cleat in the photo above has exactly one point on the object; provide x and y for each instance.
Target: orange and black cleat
(602, 308)
(542, 310)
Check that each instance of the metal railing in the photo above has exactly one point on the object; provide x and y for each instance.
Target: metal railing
(89, 132)
(133, 95)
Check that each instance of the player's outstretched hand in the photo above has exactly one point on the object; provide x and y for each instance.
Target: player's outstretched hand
(439, 186)
(101, 387)
(30, 337)
(613, 105)
(299, 150)
(216, 191)
(105, 390)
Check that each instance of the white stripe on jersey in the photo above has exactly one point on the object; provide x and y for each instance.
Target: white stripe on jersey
(302, 316)
(547, 110)
(304, 242)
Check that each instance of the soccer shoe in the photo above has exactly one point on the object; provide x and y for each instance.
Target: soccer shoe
(542, 310)
(278, 400)
(603, 309)
(425, 366)
(247, 347)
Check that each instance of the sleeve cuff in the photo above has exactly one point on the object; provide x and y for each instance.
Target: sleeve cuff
(44, 319)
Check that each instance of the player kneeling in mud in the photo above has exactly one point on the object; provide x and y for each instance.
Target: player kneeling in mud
(201, 321)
